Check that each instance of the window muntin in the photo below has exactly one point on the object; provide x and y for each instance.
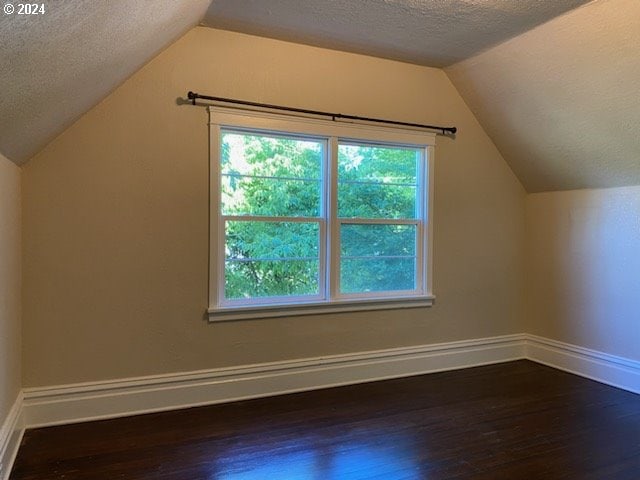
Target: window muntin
(356, 199)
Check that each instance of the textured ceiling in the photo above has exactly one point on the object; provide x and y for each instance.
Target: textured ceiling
(58, 65)
(427, 32)
(559, 79)
(562, 102)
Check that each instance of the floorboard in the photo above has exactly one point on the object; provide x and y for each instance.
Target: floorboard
(516, 420)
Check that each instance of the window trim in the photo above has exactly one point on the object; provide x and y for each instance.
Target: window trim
(255, 121)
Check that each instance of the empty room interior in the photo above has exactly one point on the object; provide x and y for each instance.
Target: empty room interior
(324, 240)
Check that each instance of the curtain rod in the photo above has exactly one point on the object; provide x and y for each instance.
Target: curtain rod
(194, 96)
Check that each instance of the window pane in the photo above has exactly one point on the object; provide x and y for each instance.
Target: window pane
(376, 201)
(378, 163)
(270, 278)
(377, 182)
(269, 175)
(267, 258)
(376, 258)
(358, 240)
(377, 274)
(270, 197)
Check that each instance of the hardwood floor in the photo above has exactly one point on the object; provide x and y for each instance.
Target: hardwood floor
(516, 420)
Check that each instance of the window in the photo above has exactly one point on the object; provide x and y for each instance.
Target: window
(310, 216)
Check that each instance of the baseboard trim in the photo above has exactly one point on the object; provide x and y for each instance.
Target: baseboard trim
(110, 399)
(602, 367)
(11, 434)
(101, 400)
(82, 402)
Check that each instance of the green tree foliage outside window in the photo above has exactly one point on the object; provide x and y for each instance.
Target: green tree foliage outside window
(267, 176)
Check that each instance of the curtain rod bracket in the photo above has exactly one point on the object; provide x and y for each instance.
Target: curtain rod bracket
(193, 96)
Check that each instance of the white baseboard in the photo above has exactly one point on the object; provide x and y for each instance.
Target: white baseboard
(109, 399)
(11, 433)
(602, 367)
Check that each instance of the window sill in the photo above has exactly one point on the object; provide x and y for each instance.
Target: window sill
(226, 314)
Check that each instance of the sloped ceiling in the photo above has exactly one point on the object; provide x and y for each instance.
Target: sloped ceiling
(56, 66)
(562, 101)
(559, 101)
(427, 32)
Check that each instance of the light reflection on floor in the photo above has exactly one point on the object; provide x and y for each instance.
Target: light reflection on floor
(311, 459)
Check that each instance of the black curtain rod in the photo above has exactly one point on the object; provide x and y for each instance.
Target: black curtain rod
(194, 96)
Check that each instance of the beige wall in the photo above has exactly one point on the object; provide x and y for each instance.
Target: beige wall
(115, 219)
(583, 262)
(10, 284)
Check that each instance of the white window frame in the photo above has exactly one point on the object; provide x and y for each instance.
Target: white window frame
(329, 300)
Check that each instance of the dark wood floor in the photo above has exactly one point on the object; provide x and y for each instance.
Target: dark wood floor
(517, 420)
